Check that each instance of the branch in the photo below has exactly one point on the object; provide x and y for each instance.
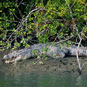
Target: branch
(75, 26)
(23, 21)
(65, 39)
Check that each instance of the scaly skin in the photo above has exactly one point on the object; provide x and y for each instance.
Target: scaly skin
(53, 51)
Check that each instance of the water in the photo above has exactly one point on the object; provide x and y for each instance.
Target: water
(42, 80)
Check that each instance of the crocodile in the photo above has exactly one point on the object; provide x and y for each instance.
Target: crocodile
(50, 50)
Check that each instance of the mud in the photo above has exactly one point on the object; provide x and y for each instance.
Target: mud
(49, 65)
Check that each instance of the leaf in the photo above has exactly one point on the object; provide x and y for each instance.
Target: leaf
(17, 44)
(0, 10)
(35, 51)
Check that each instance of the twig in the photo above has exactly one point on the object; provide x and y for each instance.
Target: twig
(78, 56)
(65, 39)
(73, 3)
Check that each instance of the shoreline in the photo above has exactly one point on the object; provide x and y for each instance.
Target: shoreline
(50, 65)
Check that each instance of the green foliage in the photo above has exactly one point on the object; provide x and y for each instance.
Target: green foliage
(44, 56)
(35, 52)
(53, 21)
(46, 49)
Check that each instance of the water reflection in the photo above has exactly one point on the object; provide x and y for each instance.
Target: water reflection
(42, 80)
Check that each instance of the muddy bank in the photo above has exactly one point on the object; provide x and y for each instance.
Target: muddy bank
(50, 65)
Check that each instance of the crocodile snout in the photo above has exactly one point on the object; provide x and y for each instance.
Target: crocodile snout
(5, 57)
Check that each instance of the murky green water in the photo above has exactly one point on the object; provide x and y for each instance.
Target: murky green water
(42, 80)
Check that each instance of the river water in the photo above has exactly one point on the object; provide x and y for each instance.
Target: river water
(42, 80)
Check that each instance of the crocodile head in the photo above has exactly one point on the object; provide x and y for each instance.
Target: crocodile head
(10, 55)
(10, 58)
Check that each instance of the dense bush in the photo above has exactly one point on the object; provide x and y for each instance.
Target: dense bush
(23, 23)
